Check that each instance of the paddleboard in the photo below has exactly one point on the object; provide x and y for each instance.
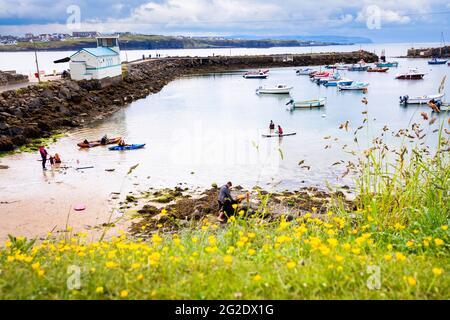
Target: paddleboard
(279, 135)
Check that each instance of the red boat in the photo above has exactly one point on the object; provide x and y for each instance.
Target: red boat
(322, 74)
(377, 69)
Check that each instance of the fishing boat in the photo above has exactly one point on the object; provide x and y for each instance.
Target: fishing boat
(335, 83)
(406, 100)
(304, 72)
(307, 104)
(273, 135)
(413, 74)
(278, 89)
(261, 74)
(335, 77)
(425, 99)
(96, 143)
(437, 61)
(360, 66)
(393, 64)
(127, 147)
(317, 74)
(354, 86)
(377, 69)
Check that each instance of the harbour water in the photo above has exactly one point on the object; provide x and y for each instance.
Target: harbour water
(204, 129)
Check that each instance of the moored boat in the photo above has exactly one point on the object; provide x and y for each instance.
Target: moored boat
(261, 74)
(278, 89)
(307, 104)
(393, 64)
(354, 86)
(377, 69)
(413, 74)
(437, 61)
(335, 83)
(426, 99)
(96, 143)
(304, 71)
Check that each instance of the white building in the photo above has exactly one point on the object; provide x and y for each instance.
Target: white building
(101, 63)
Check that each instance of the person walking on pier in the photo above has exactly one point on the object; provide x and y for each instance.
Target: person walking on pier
(43, 154)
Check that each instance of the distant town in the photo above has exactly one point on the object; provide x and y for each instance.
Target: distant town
(9, 40)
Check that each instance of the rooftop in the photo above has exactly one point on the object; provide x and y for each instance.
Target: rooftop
(99, 52)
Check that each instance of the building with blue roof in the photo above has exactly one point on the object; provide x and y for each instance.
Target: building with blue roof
(101, 63)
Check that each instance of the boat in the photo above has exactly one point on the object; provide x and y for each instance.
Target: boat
(437, 61)
(335, 77)
(387, 64)
(307, 104)
(413, 74)
(272, 135)
(405, 100)
(358, 68)
(425, 99)
(261, 74)
(377, 69)
(127, 147)
(317, 74)
(278, 89)
(335, 83)
(304, 72)
(97, 143)
(354, 86)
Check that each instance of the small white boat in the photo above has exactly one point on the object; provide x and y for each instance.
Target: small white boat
(405, 100)
(354, 86)
(307, 104)
(278, 89)
(304, 72)
(261, 74)
(424, 99)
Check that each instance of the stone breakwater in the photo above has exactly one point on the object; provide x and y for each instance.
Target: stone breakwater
(37, 111)
(8, 78)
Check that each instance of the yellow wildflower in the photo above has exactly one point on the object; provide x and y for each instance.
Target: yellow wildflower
(99, 290)
(291, 264)
(411, 281)
(228, 259)
(257, 278)
(140, 276)
(438, 242)
(400, 257)
(123, 293)
(438, 271)
(445, 227)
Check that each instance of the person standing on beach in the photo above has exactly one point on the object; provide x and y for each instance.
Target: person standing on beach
(44, 154)
(226, 202)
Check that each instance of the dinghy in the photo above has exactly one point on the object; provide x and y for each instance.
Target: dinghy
(307, 104)
(354, 86)
(127, 147)
(278, 89)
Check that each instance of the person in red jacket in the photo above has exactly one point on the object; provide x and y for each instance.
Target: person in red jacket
(280, 130)
(43, 154)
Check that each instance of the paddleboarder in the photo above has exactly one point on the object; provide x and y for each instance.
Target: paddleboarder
(271, 126)
(280, 130)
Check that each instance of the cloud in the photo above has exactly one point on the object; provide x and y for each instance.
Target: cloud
(221, 17)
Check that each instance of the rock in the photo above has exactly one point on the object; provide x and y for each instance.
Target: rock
(3, 126)
(6, 144)
(19, 140)
(15, 131)
(64, 93)
(35, 103)
(31, 132)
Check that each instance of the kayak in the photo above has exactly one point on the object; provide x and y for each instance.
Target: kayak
(97, 143)
(127, 147)
(279, 135)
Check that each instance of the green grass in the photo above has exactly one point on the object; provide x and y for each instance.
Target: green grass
(393, 245)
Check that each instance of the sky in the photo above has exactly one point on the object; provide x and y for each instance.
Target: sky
(379, 20)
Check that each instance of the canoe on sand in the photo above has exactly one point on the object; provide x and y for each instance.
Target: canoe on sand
(97, 143)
